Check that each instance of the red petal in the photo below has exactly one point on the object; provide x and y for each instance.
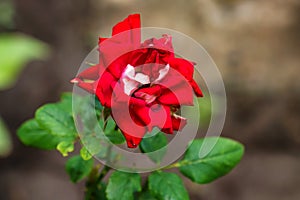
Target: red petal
(196, 88)
(104, 89)
(178, 122)
(139, 112)
(172, 79)
(132, 124)
(144, 56)
(115, 51)
(132, 142)
(183, 66)
(118, 94)
(153, 55)
(186, 68)
(153, 90)
(131, 22)
(101, 39)
(89, 87)
(132, 131)
(168, 128)
(162, 45)
(91, 73)
(181, 95)
(161, 117)
(118, 66)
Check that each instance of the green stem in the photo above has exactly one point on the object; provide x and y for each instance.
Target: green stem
(174, 165)
(106, 168)
(93, 184)
(103, 173)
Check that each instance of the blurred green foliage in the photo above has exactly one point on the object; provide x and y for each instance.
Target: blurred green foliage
(205, 109)
(5, 142)
(6, 14)
(15, 51)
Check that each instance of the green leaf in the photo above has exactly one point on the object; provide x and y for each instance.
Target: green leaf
(85, 154)
(15, 51)
(51, 117)
(66, 96)
(92, 145)
(98, 105)
(66, 103)
(153, 146)
(105, 153)
(122, 185)
(164, 186)
(95, 191)
(31, 134)
(224, 156)
(146, 195)
(53, 127)
(5, 141)
(85, 111)
(65, 147)
(77, 168)
(115, 136)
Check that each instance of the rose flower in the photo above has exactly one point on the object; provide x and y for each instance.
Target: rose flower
(143, 80)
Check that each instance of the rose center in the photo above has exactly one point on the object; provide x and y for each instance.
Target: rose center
(134, 81)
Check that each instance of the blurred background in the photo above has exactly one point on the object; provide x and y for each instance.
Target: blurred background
(254, 43)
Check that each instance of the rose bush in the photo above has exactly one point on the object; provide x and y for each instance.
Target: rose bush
(142, 85)
(144, 77)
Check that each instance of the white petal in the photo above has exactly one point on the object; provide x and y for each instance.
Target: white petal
(147, 97)
(178, 116)
(162, 73)
(129, 85)
(129, 71)
(142, 78)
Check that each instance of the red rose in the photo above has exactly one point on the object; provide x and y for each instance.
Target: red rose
(147, 81)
